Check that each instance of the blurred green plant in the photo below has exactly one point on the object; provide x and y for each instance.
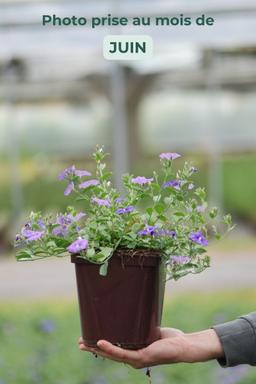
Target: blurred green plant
(239, 186)
(38, 343)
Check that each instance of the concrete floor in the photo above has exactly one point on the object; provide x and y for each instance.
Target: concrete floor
(56, 277)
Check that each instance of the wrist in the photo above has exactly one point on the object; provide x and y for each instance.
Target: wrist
(202, 346)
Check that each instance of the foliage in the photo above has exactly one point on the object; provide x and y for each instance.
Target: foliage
(165, 212)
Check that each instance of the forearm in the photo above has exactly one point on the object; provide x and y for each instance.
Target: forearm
(238, 339)
(202, 346)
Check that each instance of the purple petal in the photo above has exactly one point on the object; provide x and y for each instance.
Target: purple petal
(102, 202)
(82, 173)
(128, 209)
(79, 216)
(68, 171)
(120, 211)
(32, 235)
(169, 155)
(60, 231)
(69, 188)
(190, 186)
(172, 183)
(141, 180)
(198, 237)
(78, 245)
(41, 224)
(64, 219)
(89, 183)
(149, 230)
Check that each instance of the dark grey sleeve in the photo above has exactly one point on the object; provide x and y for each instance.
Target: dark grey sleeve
(238, 339)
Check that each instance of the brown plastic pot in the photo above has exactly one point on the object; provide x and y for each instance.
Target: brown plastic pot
(124, 307)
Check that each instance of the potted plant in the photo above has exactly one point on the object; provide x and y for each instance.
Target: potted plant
(125, 247)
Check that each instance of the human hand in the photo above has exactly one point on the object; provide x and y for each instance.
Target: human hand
(174, 346)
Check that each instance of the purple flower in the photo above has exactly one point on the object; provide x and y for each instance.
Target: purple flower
(72, 171)
(169, 155)
(32, 235)
(67, 172)
(64, 219)
(128, 209)
(69, 188)
(190, 186)
(60, 231)
(180, 260)
(141, 180)
(80, 173)
(155, 231)
(77, 217)
(102, 202)
(89, 183)
(78, 245)
(198, 237)
(193, 169)
(69, 219)
(149, 230)
(172, 183)
(64, 222)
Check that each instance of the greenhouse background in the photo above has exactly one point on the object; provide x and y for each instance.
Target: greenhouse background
(58, 99)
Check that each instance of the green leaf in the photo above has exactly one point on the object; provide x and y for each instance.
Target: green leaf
(159, 208)
(61, 242)
(90, 252)
(149, 211)
(24, 255)
(106, 176)
(162, 218)
(180, 214)
(156, 187)
(200, 251)
(136, 227)
(51, 244)
(104, 253)
(104, 269)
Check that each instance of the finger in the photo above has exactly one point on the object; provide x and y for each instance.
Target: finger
(80, 340)
(85, 347)
(116, 353)
(98, 352)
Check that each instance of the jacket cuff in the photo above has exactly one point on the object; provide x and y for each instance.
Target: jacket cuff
(238, 339)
